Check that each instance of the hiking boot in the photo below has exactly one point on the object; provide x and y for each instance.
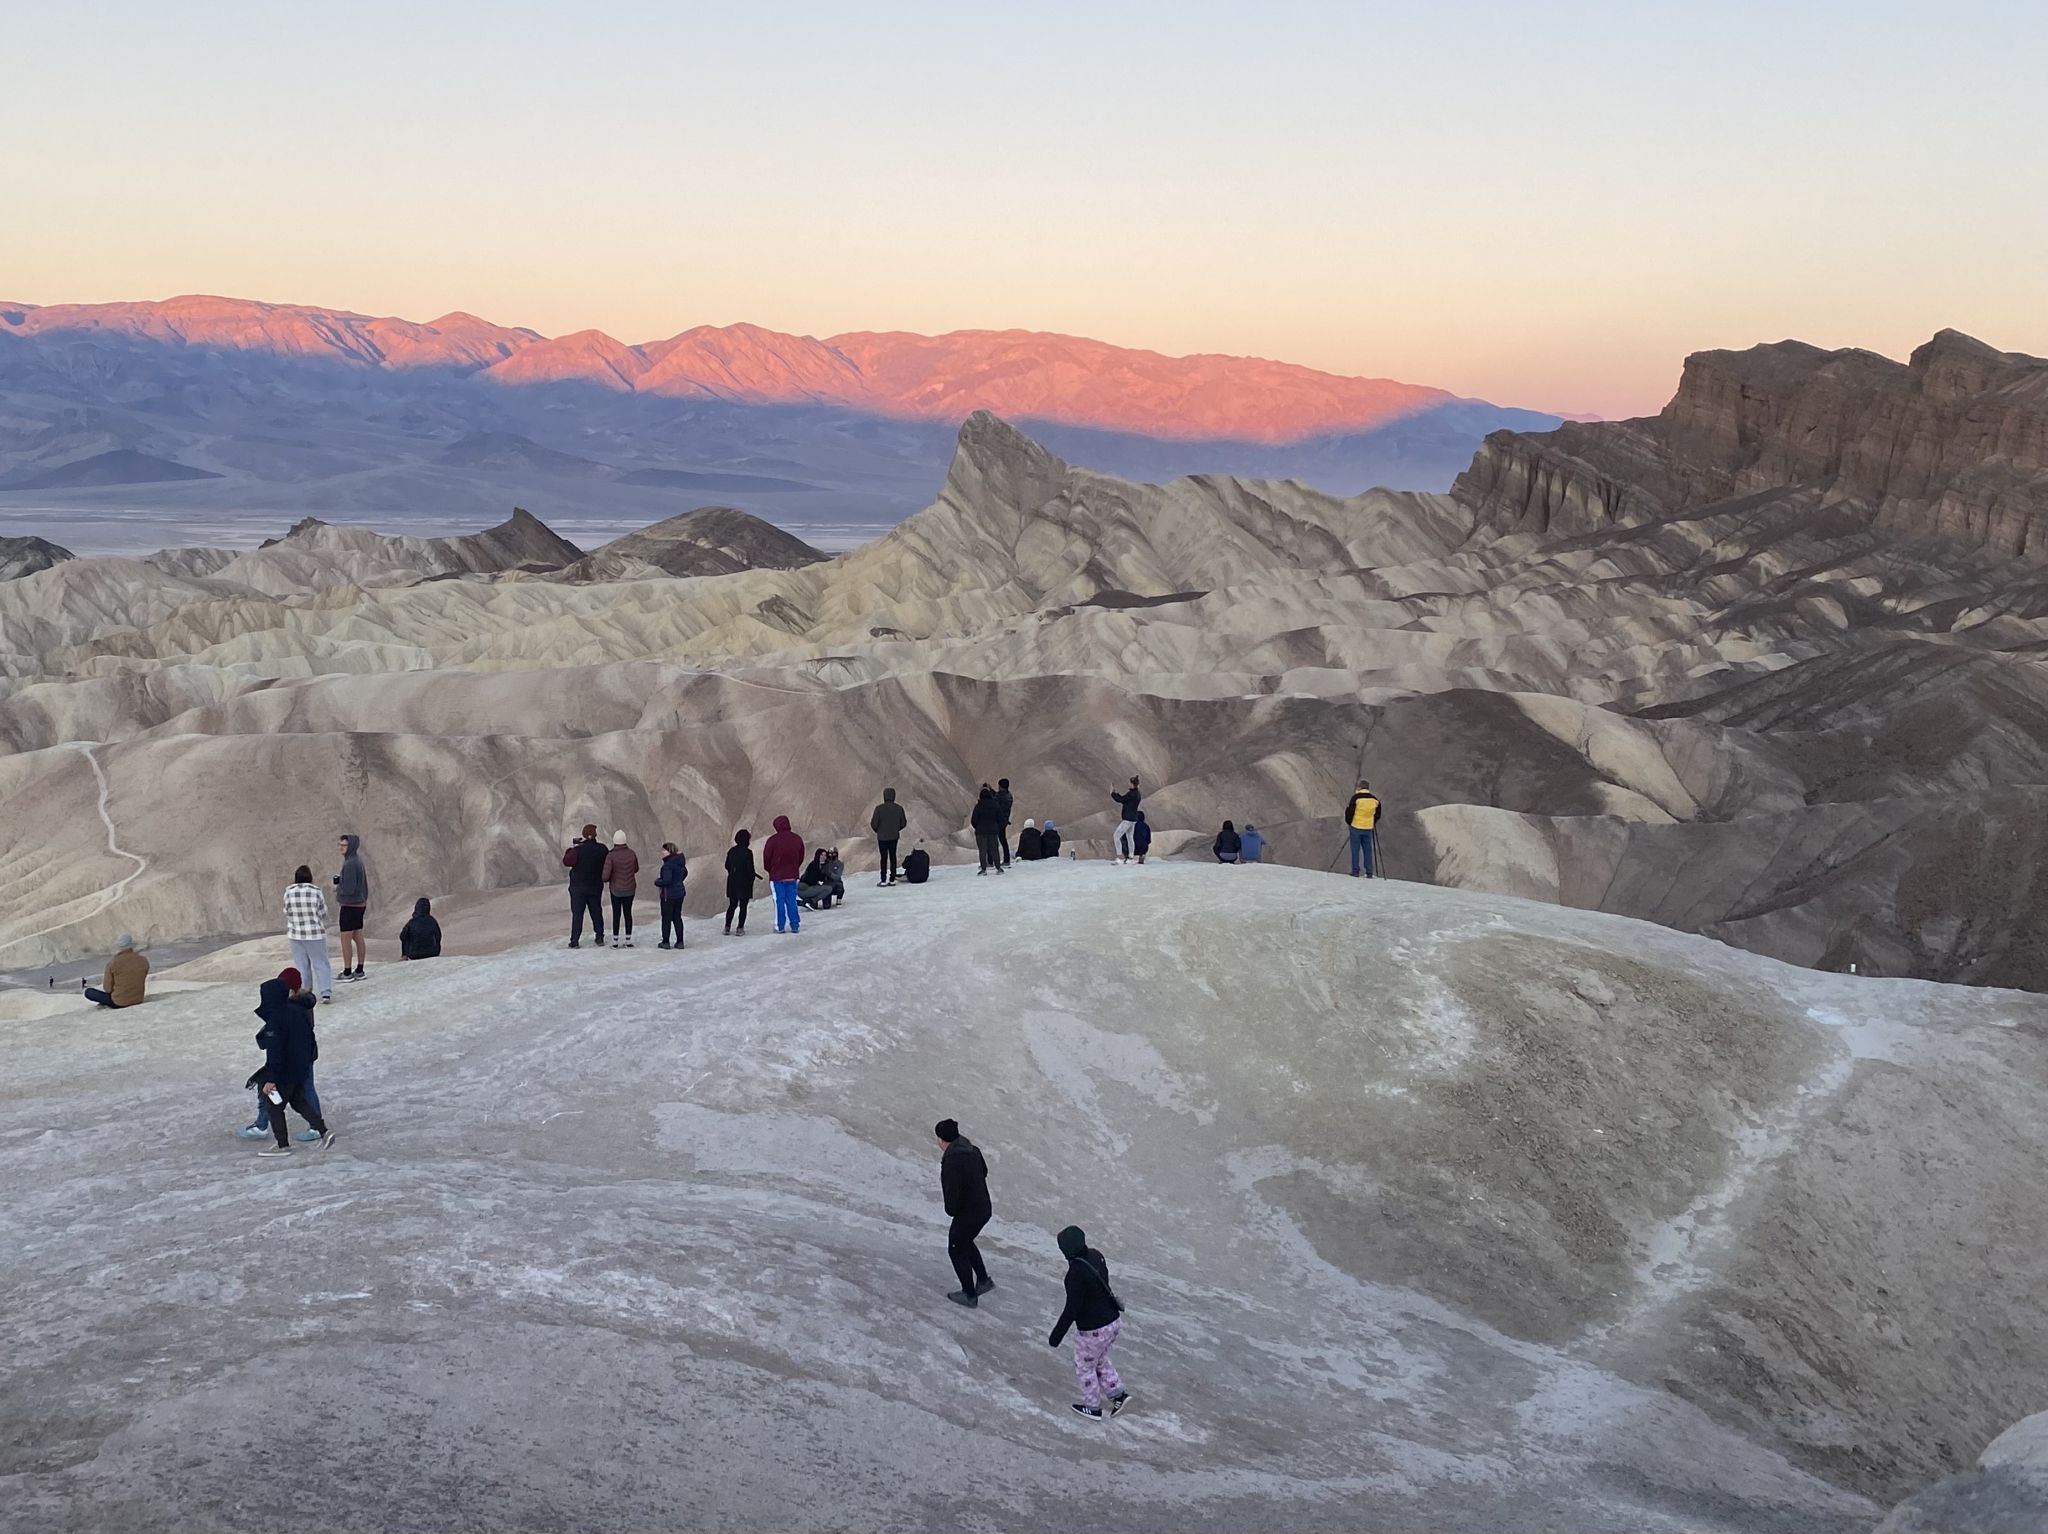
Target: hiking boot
(962, 1297)
(1092, 1413)
(275, 1150)
(984, 1286)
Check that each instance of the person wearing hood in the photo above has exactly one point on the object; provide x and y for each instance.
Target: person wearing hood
(888, 823)
(814, 889)
(1229, 845)
(782, 855)
(1006, 806)
(274, 1001)
(585, 862)
(352, 894)
(740, 879)
(1127, 802)
(986, 821)
(1096, 1315)
(835, 874)
(1141, 836)
(917, 868)
(421, 937)
(1030, 845)
(1250, 844)
(668, 882)
(285, 1080)
(123, 982)
(622, 877)
(305, 929)
(963, 1187)
(1049, 840)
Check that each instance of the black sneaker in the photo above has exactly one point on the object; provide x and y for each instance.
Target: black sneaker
(1092, 1413)
(962, 1297)
(984, 1286)
(1118, 1401)
(575, 945)
(661, 945)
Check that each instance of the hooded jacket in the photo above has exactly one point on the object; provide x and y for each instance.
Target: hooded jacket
(986, 819)
(1049, 841)
(421, 938)
(125, 979)
(585, 862)
(286, 1037)
(782, 855)
(1141, 835)
(1228, 843)
(1091, 1303)
(814, 874)
(963, 1181)
(352, 884)
(918, 866)
(888, 821)
(622, 869)
(740, 874)
(1250, 844)
(675, 869)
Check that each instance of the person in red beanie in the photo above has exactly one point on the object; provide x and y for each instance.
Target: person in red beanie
(273, 999)
(782, 857)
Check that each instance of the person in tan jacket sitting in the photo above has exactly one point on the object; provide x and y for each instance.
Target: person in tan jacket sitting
(122, 985)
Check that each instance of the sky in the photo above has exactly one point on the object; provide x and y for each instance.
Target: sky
(1546, 203)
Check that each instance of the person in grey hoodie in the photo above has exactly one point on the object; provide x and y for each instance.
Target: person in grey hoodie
(888, 823)
(352, 894)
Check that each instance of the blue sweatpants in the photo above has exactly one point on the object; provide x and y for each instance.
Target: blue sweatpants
(786, 907)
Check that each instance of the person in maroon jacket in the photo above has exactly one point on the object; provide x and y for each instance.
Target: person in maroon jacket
(782, 857)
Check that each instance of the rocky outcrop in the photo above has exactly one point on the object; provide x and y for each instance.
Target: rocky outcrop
(25, 556)
(2007, 1493)
(712, 540)
(1953, 444)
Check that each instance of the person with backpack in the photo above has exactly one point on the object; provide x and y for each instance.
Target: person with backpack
(1361, 820)
(985, 820)
(1049, 840)
(352, 894)
(622, 877)
(1250, 845)
(274, 1000)
(1126, 828)
(285, 1079)
(888, 823)
(1141, 836)
(1096, 1315)
(782, 855)
(963, 1188)
(740, 879)
(668, 885)
(585, 862)
(917, 868)
(305, 929)
(1030, 845)
(1229, 845)
(420, 938)
(1006, 806)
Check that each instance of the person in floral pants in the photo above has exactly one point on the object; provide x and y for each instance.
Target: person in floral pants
(1096, 1315)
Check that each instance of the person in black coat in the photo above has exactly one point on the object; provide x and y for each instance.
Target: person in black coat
(917, 868)
(1096, 1315)
(289, 1050)
(1228, 843)
(1049, 840)
(1007, 806)
(740, 878)
(421, 937)
(963, 1184)
(987, 823)
(1030, 844)
(585, 862)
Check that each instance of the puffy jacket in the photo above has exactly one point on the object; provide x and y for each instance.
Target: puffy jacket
(352, 884)
(622, 870)
(782, 855)
(1363, 812)
(1049, 841)
(124, 979)
(585, 862)
(675, 870)
(888, 821)
(963, 1181)
(986, 817)
(421, 938)
(1030, 844)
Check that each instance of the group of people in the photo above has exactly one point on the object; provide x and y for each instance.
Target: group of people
(990, 819)
(1092, 1312)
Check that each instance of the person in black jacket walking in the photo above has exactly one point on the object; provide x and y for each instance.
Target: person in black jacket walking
(289, 1050)
(888, 823)
(963, 1184)
(740, 878)
(585, 862)
(1096, 1316)
(1006, 804)
(987, 823)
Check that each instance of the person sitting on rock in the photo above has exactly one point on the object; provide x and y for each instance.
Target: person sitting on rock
(1049, 840)
(917, 868)
(421, 937)
(1228, 844)
(123, 984)
(1250, 844)
(1030, 843)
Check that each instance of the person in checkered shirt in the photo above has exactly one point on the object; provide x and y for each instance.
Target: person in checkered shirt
(305, 927)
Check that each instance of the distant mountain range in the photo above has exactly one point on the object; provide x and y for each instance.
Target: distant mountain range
(223, 408)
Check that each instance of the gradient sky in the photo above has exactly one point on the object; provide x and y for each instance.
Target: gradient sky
(1544, 204)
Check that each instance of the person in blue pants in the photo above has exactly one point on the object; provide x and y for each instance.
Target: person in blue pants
(782, 858)
(1361, 820)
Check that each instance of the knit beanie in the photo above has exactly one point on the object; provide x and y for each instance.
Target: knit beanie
(292, 979)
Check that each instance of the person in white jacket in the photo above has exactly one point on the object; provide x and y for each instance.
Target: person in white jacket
(305, 928)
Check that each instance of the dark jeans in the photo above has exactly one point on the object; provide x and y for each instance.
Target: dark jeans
(965, 1254)
(263, 1103)
(294, 1099)
(888, 852)
(1005, 834)
(622, 916)
(584, 902)
(736, 907)
(672, 918)
(1364, 842)
(990, 847)
(99, 997)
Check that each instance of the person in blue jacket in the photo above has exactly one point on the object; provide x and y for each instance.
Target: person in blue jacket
(1250, 844)
(668, 884)
(1141, 835)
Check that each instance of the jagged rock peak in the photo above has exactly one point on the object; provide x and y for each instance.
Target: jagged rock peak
(26, 556)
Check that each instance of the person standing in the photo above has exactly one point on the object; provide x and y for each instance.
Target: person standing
(420, 938)
(1229, 845)
(888, 823)
(305, 928)
(1096, 1315)
(352, 894)
(585, 862)
(273, 999)
(124, 981)
(622, 878)
(1251, 844)
(963, 1185)
(1128, 803)
(668, 884)
(1006, 803)
(1141, 836)
(740, 879)
(986, 821)
(782, 855)
(285, 1081)
(1361, 820)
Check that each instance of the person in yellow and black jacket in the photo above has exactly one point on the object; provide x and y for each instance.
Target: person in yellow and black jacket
(1361, 819)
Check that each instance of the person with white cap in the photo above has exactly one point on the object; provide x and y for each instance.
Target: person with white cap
(622, 878)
